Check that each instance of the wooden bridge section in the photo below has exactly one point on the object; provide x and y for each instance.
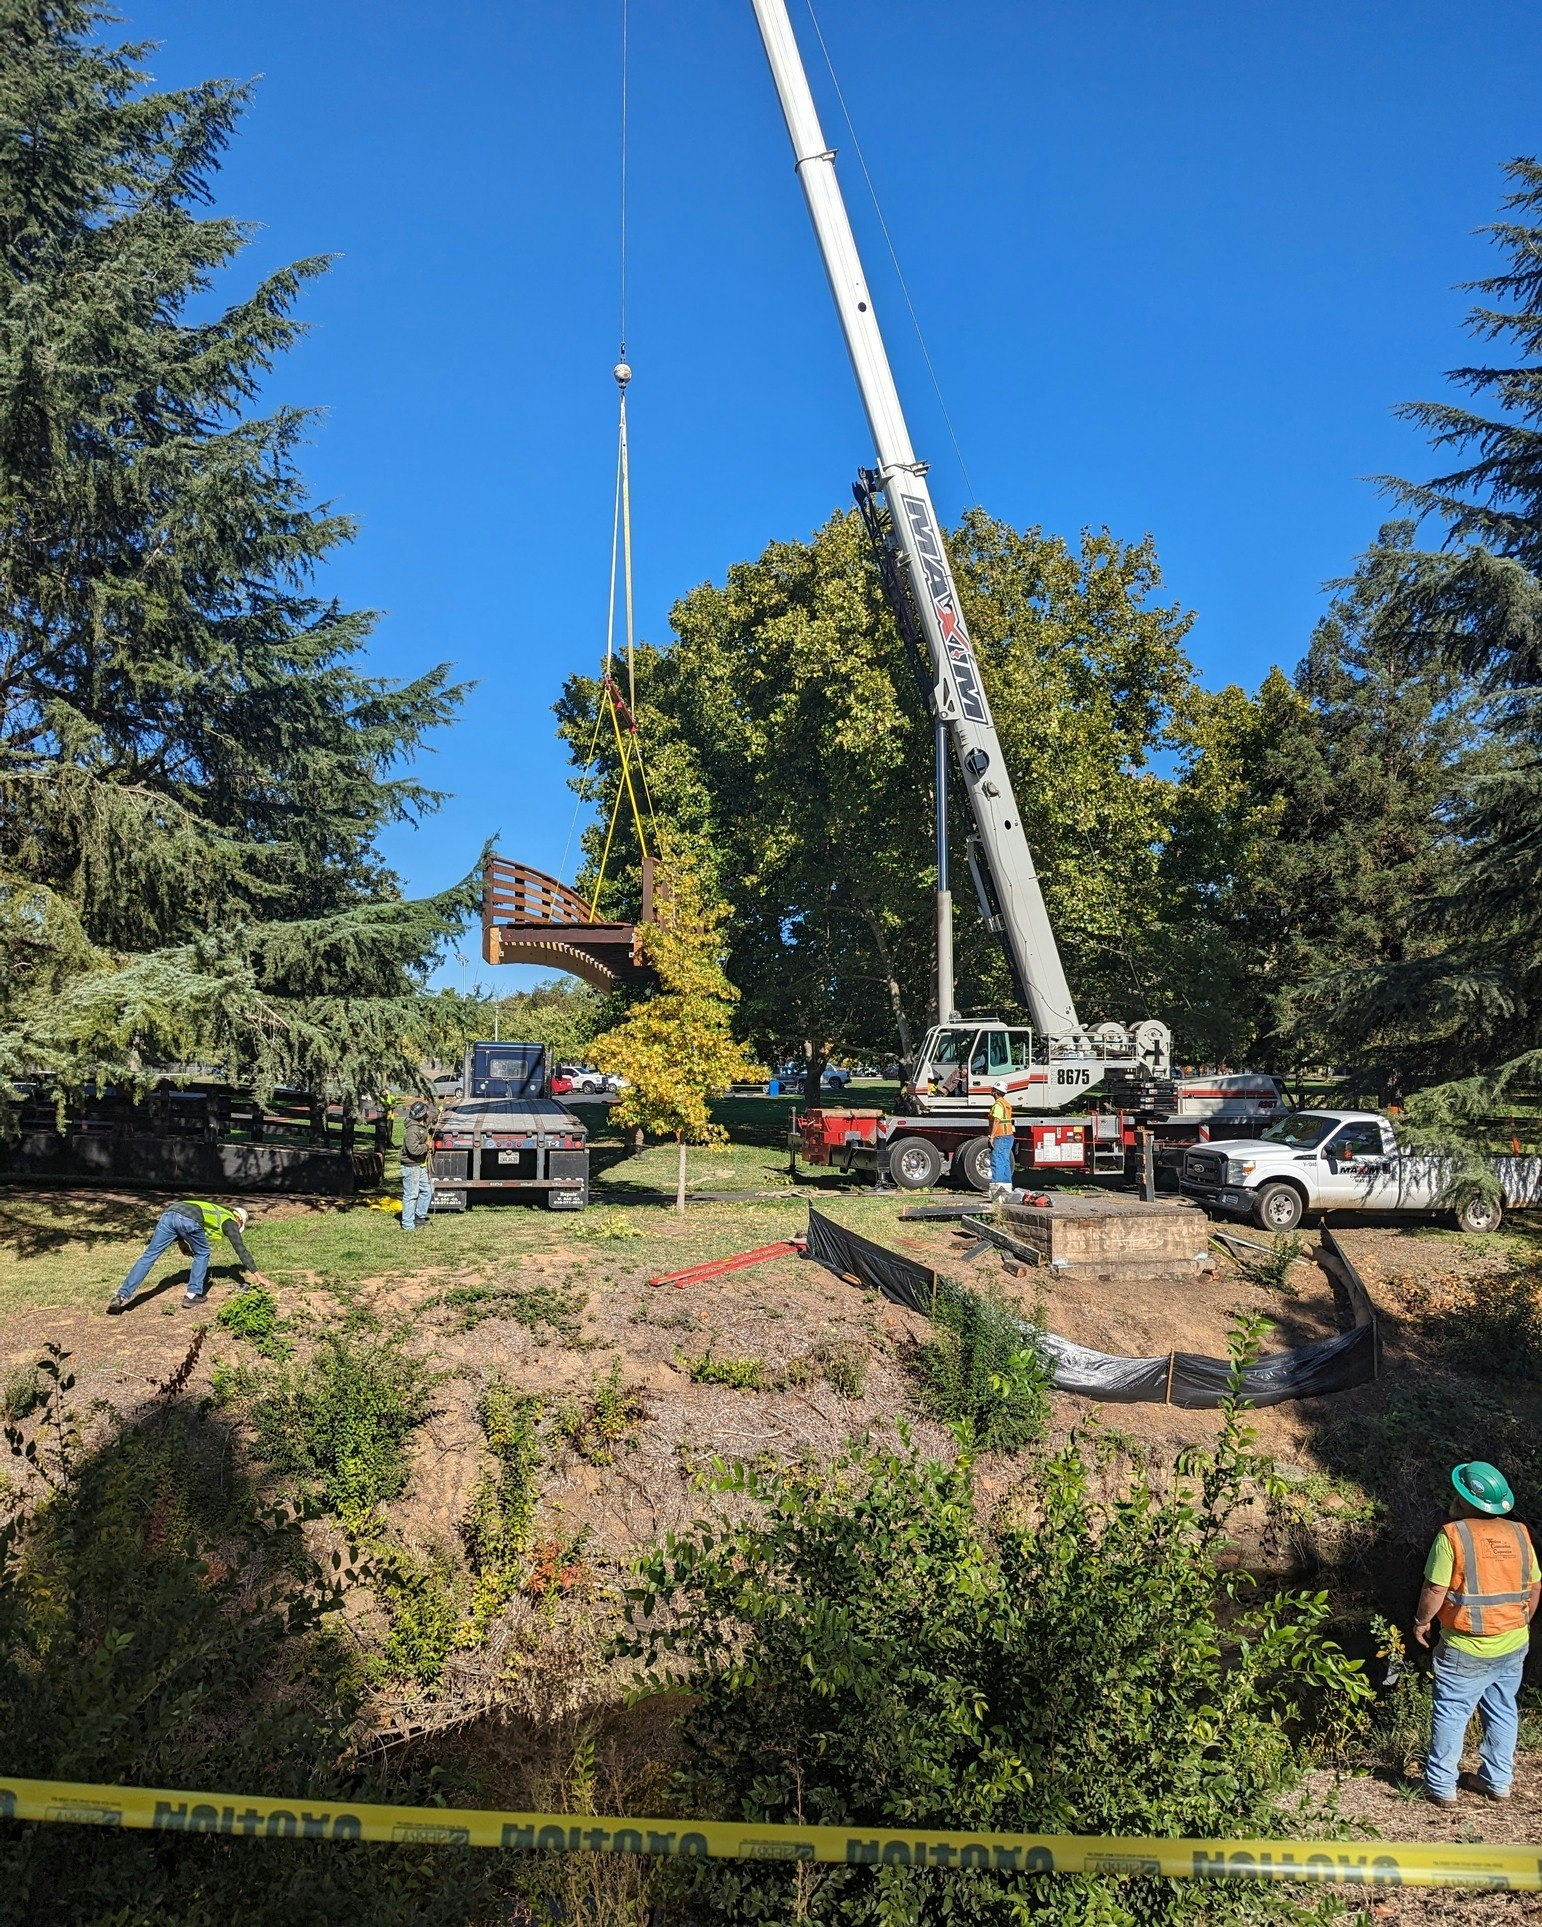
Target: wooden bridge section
(531, 918)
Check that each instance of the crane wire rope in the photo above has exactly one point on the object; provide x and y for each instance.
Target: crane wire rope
(899, 272)
(628, 742)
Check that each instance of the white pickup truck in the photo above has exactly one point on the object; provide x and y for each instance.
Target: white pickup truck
(1323, 1161)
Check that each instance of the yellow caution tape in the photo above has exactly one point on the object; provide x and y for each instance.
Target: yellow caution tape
(1380, 1863)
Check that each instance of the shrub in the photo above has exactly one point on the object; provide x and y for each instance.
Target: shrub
(604, 1423)
(423, 1602)
(253, 1314)
(160, 1627)
(21, 1394)
(844, 1367)
(497, 1528)
(979, 1371)
(742, 1374)
(1272, 1268)
(339, 1422)
(863, 1650)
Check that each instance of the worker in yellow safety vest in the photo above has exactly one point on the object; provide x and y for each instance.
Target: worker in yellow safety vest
(190, 1224)
(1481, 1583)
(1003, 1141)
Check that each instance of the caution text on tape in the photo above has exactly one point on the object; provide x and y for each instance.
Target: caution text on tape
(1390, 1863)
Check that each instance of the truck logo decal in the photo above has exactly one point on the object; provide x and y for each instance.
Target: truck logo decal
(944, 600)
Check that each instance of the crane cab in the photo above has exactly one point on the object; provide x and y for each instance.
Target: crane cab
(960, 1064)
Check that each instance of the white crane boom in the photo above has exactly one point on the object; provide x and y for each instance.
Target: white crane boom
(1005, 875)
(960, 693)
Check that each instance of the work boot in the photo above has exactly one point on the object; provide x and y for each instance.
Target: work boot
(115, 1306)
(1475, 1783)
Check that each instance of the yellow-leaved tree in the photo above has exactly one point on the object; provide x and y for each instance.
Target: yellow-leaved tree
(674, 1047)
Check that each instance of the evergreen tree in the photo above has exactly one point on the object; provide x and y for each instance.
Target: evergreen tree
(194, 768)
(1359, 777)
(1474, 1004)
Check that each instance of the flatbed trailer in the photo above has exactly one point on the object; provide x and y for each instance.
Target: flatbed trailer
(919, 1150)
(507, 1135)
(916, 1150)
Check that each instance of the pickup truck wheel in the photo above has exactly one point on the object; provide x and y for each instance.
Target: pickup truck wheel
(914, 1164)
(1280, 1207)
(1479, 1214)
(972, 1165)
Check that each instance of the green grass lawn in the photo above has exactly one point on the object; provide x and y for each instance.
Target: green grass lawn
(71, 1250)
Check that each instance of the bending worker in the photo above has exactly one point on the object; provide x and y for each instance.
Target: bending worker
(1482, 1583)
(190, 1224)
(1003, 1141)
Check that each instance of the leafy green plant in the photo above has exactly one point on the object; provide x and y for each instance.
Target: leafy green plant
(339, 1422)
(54, 1447)
(979, 1371)
(540, 1308)
(1272, 1268)
(424, 1601)
(864, 1646)
(21, 1394)
(604, 1423)
(497, 1528)
(253, 1314)
(842, 1365)
(741, 1374)
(845, 1368)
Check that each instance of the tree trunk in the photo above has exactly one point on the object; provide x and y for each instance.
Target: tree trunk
(886, 959)
(680, 1175)
(816, 1059)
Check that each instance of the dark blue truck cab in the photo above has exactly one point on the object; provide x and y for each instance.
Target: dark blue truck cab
(507, 1135)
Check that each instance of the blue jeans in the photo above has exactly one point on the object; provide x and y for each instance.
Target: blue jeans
(1001, 1159)
(171, 1226)
(1464, 1685)
(417, 1189)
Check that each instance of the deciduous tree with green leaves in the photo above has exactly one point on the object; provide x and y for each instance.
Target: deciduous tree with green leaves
(675, 1046)
(194, 767)
(788, 733)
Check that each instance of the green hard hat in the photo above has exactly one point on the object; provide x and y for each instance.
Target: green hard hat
(1484, 1486)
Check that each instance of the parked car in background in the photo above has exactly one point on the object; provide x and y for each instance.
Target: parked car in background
(835, 1077)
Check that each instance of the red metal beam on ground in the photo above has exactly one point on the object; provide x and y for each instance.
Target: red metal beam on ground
(741, 1260)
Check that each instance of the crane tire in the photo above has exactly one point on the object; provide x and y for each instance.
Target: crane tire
(1480, 1214)
(1280, 1207)
(972, 1164)
(914, 1164)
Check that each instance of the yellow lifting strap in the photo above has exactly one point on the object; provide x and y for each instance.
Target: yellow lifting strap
(622, 710)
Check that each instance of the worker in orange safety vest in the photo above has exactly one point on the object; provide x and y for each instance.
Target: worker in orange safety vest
(1481, 1583)
(1003, 1141)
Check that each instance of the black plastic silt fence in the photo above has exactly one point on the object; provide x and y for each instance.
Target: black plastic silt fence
(1173, 1378)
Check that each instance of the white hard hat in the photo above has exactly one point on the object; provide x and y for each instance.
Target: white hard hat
(242, 1214)
(1000, 1088)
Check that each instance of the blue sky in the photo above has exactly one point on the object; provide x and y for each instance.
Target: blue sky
(1175, 264)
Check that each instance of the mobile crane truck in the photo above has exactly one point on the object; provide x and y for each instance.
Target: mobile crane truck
(1057, 1061)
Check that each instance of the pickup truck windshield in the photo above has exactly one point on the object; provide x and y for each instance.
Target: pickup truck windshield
(1302, 1131)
